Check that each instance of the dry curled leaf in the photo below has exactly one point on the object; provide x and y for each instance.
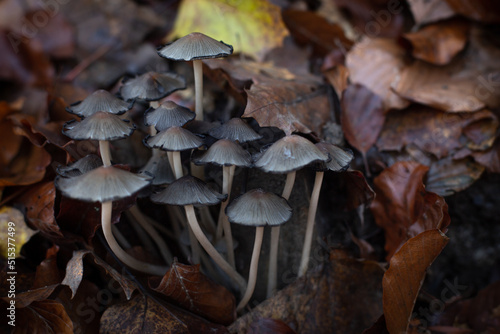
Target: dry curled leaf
(44, 317)
(187, 286)
(406, 273)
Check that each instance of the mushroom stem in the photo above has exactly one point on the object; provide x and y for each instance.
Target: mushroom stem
(275, 238)
(210, 249)
(198, 88)
(170, 156)
(176, 156)
(223, 221)
(254, 265)
(311, 215)
(130, 261)
(105, 152)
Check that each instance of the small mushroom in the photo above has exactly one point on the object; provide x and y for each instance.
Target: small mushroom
(100, 100)
(257, 208)
(168, 114)
(80, 166)
(195, 47)
(235, 129)
(151, 86)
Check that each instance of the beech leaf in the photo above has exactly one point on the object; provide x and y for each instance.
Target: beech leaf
(44, 317)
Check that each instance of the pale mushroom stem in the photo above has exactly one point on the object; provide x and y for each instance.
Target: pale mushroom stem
(254, 265)
(275, 238)
(105, 152)
(223, 220)
(106, 209)
(170, 156)
(311, 215)
(195, 247)
(210, 249)
(198, 88)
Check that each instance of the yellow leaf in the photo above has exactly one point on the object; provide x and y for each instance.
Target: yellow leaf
(251, 27)
(14, 232)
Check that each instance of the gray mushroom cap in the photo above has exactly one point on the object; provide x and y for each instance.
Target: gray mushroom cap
(102, 184)
(259, 208)
(159, 166)
(100, 100)
(235, 129)
(80, 166)
(168, 114)
(99, 126)
(174, 138)
(289, 154)
(188, 190)
(340, 158)
(225, 152)
(152, 86)
(195, 46)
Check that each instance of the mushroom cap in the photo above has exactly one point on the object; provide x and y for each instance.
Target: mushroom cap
(159, 166)
(259, 208)
(151, 86)
(340, 158)
(102, 184)
(289, 154)
(174, 138)
(235, 129)
(80, 166)
(99, 126)
(225, 152)
(188, 190)
(168, 114)
(195, 46)
(100, 100)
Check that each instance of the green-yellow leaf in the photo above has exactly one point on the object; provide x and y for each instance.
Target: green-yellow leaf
(251, 27)
(14, 232)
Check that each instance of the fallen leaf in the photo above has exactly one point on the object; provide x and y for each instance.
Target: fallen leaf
(187, 286)
(404, 278)
(337, 77)
(9, 142)
(47, 272)
(322, 301)
(145, 315)
(26, 168)
(439, 42)
(467, 83)
(481, 133)
(358, 191)
(269, 326)
(427, 11)
(376, 63)
(362, 117)
(241, 24)
(448, 176)
(292, 106)
(25, 298)
(402, 206)
(13, 232)
(490, 158)
(310, 29)
(45, 316)
(486, 11)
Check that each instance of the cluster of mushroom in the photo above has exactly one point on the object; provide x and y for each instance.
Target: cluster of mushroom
(169, 135)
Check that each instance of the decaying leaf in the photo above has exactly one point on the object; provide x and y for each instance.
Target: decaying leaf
(479, 10)
(430, 10)
(26, 168)
(376, 63)
(186, 285)
(358, 191)
(47, 272)
(322, 301)
(490, 158)
(405, 276)
(13, 226)
(447, 176)
(252, 27)
(403, 208)
(45, 316)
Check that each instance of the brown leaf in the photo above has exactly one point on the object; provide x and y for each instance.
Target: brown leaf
(44, 317)
(145, 315)
(25, 298)
(448, 176)
(487, 11)
(467, 83)
(376, 63)
(337, 77)
(403, 279)
(47, 272)
(403, 208)
(430, 10)
(358, 191)
(269, 326)
(322, 301)
(188, 287)
(491, 158)
(27, 167)
(9, 142)
(291, 106)
(362, 117)
(309, 28)
(439, 42)
(430, 130)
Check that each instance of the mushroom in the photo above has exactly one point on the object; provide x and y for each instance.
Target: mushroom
(100, 100)
(257, 208)
(195, 47)
(286, 155)
(80, 166)
(228, 154)
(168, 114)
(340, 160)
(235, 129)
(106, 184)
(187, 192)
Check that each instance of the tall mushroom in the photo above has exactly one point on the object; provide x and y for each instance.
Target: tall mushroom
(286, 155)
(340, 160)
(195, 47)
(257, 208)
